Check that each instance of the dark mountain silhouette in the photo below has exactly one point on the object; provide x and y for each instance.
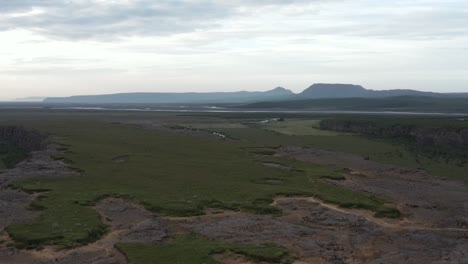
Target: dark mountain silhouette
(316, 91)
(323, 96)
(323, 90)
(276, 94)
(30, 99)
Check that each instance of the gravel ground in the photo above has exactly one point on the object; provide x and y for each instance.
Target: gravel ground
(424, 199)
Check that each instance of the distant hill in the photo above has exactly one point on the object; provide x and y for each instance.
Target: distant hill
(30, 99)
(278, 93)
(323, 90)
(316, 91)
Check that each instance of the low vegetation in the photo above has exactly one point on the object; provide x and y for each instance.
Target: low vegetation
(430, 138)
(170, 174)
(180, 175)
(298, 128)
(190, 249)
(398, 104)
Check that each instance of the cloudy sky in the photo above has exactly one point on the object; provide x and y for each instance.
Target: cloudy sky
(70, 47)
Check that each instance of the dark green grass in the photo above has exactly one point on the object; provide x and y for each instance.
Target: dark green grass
(331, 193)
(66, 225)
(181, 175)
(192, 249)
(411, 121)
(387, 151)
(436, 138)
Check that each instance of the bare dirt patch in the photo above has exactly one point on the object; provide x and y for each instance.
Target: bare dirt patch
(279, 166)
(121, 159)
(13, 208)
(422, 198)
(314, 232)
(319, 234)
(133, 222)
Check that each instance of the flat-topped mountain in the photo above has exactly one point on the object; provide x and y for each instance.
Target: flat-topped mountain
(30, 99)
(324, 90)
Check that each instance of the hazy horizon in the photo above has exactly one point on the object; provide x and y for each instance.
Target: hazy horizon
(181, 92)
(78, 47)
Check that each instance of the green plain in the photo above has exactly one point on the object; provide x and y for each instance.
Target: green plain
(192, 249)
(180, 175)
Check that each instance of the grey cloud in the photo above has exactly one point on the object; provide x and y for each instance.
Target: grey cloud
(417, 24)
(101, 20)
(24, 5)
(54, 71)
(53, 60)
(87, 19)
(104, 20)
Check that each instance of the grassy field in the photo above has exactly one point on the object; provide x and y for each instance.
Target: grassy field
(168, 173)
(213, 126)
(399, 103)
(191, 249)
(181, 175)
(382, 150)
(298, 127)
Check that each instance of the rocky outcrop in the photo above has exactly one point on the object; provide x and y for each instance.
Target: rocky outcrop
(22, 138)
(16, 144)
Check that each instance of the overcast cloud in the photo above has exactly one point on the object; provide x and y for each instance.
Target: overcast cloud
(57, 48)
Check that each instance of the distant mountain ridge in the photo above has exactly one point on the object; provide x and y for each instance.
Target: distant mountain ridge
(324, 90)
(315, 91)
(276, 94)
(30, 99)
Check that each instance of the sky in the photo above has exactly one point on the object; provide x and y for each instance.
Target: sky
(75, 47)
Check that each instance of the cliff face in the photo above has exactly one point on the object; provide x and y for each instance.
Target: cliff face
(456, 138)
(22, 138)
(16, 143)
